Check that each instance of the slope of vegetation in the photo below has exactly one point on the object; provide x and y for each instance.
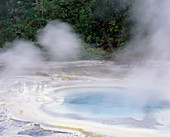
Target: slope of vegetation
(103, 25)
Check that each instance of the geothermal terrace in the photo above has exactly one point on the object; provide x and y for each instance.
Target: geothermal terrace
(83, 98)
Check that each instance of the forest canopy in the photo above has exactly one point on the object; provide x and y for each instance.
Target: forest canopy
(103, 25)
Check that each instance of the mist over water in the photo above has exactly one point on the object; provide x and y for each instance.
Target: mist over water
(149, 48)
(150, 45)
(100, 86)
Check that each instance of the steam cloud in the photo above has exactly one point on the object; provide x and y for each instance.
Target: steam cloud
(151, 38)
(22, 55)
(59, 41)
(150, 46)
(149, 80)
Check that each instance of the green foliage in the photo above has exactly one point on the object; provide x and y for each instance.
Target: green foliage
(21, 21)
(103, 24)
(89, 52)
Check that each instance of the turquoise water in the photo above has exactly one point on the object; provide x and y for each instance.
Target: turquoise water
(109, 102)
(109, 105)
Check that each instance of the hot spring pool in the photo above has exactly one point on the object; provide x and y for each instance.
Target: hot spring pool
(111, 105)
(90, 97)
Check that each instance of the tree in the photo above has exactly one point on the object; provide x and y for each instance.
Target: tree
(110, 17)
(37, 6)
(102, 24)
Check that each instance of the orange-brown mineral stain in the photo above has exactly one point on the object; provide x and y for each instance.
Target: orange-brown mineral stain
(21, 112)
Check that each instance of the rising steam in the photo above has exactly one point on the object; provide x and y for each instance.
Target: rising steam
(149, 80)
(150, 45)
(151, 35)
(59, 41)
(23, 54)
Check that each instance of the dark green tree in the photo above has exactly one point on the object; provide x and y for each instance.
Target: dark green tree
(102, 24)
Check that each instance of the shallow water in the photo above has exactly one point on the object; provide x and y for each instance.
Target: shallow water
(104, 101)
(69, 94)
(111, 102)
